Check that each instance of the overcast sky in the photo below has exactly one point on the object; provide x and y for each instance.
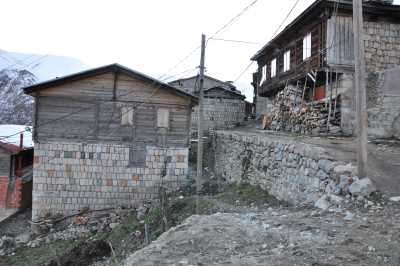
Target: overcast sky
(150, 36)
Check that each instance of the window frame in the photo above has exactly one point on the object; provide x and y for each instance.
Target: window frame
(127, 115)
(263, 74)
(307, 46)
(286, 61)
(160, 121)
(273, 66)
(137, 157)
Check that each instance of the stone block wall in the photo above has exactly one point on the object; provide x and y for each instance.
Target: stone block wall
(292, 171)
(382, 54)
(68, 177)
(220, 113)
(384, 106)
(264, 105)
(382, 45)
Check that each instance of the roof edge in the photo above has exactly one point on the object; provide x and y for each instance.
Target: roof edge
(102, 70)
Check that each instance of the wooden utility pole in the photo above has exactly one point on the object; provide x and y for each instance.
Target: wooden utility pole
(200, 124)
(360, 88)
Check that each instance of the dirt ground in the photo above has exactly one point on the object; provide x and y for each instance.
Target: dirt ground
(281, 236)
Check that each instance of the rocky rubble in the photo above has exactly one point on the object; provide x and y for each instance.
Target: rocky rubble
(281, 236)
(75, 227)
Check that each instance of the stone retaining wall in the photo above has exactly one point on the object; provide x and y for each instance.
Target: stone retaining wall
(289, 170)
(72, 176)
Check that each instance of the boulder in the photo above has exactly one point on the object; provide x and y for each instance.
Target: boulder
(323, 203)
(345, 169)
(395, 199)
(362, 187)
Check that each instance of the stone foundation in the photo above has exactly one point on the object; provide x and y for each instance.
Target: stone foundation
(290, 170)
(72, 176)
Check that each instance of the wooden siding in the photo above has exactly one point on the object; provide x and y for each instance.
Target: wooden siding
(68, 112)
(340, 41)
(298, 67)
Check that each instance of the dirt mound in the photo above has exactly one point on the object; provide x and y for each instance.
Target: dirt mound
(279, 237)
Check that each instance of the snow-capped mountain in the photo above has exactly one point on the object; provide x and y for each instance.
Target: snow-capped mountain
(44, 67)
(19, 70)
(15, 106)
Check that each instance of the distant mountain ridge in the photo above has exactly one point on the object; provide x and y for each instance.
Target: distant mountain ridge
(18, 70)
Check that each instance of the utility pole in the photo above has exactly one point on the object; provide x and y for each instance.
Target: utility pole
(360, 88)
(200, 124)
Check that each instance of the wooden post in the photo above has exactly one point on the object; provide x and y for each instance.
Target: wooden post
(360, 88)
(330, 103)
(200, 124)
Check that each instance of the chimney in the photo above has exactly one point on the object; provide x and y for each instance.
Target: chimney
(21, 141)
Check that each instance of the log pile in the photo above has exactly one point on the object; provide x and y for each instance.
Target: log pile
(291, 113)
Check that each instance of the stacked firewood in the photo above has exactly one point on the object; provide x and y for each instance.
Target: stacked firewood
(291, 113)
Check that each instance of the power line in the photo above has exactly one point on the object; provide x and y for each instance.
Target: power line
(284, 20)
(244, 71)
(276, 31)
(80, 110)
(230, 22)
(235, 41)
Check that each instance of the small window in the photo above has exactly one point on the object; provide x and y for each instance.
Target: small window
(83, 155)
(91, 155)
(263, 74)
(137, 157)
(163, 118)
(68, 154)
(127, 116)
(307, 46)
(286, 61)
(273, 68)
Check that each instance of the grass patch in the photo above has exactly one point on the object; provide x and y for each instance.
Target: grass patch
(246, 194)
(25, 256)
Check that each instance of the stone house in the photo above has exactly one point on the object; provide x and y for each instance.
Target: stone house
(16, 160)
(312, 59)
(224, 105)
(106, 137)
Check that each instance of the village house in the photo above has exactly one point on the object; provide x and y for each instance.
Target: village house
(304, 82)
(106, 137)
(16, 159)
(224, 105)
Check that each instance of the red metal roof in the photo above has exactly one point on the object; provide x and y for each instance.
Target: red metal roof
(10, 147)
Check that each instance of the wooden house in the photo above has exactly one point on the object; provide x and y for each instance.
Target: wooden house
(224, 105)
(313, 59)
(107, 137)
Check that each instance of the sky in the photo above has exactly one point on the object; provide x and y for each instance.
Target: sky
(150, 36)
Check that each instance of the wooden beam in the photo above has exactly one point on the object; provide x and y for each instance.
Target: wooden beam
(115, 85)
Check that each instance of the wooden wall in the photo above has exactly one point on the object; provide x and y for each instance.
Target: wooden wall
(91, 110)
(293, 41)
(340, 41)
